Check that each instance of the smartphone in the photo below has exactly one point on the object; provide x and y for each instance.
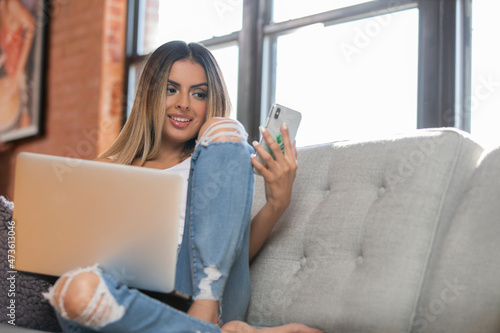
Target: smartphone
(278, 115)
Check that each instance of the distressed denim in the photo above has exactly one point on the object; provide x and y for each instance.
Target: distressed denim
(213, 257)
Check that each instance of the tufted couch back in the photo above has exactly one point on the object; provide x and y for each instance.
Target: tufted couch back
(357, 249)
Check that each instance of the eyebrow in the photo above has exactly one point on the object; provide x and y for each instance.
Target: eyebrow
(193, 86)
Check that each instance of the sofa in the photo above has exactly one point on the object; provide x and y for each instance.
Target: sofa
(398, 233)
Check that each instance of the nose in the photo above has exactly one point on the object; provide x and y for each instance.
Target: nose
(183, 102)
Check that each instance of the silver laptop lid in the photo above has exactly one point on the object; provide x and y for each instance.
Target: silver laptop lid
(74, 213)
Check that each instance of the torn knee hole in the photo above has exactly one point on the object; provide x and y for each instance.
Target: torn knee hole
(83, 296)
(223, 130)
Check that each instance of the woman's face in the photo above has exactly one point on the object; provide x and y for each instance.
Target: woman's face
(186, 106)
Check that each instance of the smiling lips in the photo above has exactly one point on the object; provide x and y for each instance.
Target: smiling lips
(179, 121)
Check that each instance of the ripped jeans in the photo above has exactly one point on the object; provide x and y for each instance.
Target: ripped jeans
(212, 260)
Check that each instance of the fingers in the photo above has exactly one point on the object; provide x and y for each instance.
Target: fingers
(281, 145)
(280, 155)
(290, 152)
(265, 156)
(273, 143)
(286, 140)
(259, 167)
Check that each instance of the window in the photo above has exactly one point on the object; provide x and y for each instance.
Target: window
(351, 79)
(284, 10)
(227, 58)
(352, 67)
(485, 92)
(188, 20)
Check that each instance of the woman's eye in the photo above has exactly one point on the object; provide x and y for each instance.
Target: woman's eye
(171, 91)
(200, 95)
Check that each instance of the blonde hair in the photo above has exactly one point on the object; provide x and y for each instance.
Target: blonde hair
(141, 135)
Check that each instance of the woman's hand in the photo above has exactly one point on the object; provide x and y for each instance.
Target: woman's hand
(278, 176)
(278, 173)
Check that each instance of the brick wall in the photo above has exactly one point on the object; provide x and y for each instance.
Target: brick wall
(84, 84)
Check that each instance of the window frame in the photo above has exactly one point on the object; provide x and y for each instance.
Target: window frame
(444, 59)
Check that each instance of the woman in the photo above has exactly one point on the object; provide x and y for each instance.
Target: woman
(179, 122)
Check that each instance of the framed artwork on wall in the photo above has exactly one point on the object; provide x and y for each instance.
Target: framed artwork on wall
(22, 38)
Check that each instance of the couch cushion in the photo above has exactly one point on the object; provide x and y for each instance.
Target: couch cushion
(351, 251)
(462, 290)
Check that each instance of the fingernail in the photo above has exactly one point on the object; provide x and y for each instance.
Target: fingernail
(285, 126)
(262, 129)
(255, 143)
(253, 155)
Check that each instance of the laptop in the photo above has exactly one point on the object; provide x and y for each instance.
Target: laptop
(73, 213)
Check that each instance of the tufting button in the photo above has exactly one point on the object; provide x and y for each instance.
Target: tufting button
(381, 191)
(303, 262)
(359, 260)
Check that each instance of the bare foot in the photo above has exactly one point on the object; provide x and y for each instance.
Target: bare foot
(242, 327)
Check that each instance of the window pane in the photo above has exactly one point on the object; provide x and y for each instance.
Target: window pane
(188, 20)
(227, 58)
(134, 74)
(485, 92)
(352, 79)
(284, 10)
